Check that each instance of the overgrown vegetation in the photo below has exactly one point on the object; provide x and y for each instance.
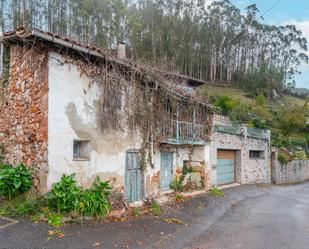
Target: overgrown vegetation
(66, 196)
(14, 181)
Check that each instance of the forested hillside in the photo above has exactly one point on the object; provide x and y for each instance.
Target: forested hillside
(216, 43)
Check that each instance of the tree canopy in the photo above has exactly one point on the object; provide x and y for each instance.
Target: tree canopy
(216, 43)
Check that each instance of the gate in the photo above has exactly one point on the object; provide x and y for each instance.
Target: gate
(133, 177)
(166, 175)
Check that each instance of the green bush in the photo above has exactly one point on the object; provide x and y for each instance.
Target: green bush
(176, 185)
(94, 202)
(14, 181)
(64, 194)
(283, 157)
(225, 103)
(300, 155)
(241, 113)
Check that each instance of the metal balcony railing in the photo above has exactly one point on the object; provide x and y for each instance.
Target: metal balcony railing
(181, 132)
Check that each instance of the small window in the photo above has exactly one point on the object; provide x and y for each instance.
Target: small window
(256, 154)
(81, 150)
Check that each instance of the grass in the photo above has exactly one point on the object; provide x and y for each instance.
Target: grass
(293, 100)
(216, 192)
(137, 212)
(156, 209)
(235, 93)
(239, 94)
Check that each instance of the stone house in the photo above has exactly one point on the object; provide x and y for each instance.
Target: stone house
(69, 108)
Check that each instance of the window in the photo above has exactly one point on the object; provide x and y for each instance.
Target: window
(81, 150)
(256, 154)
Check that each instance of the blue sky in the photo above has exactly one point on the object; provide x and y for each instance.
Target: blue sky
(281, 12)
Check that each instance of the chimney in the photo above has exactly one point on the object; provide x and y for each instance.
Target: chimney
(121, 50)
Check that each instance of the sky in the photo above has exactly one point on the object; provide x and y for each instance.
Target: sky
(282, 12)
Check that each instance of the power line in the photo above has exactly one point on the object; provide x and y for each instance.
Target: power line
(270, 9)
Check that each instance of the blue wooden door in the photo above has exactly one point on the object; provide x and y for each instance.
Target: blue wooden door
(225, 167)
(166, 172)
(133, 177)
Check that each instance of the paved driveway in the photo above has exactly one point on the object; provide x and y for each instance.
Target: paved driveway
(249, 217)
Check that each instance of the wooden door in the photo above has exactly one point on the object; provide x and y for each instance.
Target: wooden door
(166, 172)
(133, 177)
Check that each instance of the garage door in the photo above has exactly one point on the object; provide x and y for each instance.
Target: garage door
(225, 167)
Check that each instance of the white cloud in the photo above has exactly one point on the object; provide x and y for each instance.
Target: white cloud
(302, 25)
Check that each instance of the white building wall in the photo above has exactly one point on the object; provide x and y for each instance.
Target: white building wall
(72, 114)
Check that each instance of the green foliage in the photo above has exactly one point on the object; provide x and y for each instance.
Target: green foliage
(241, 112)
(179, 198)
(261, 81)
(283, 157)
(260, 100)
(290, 120)
(300, 155)
(176, 185)
(155, 207)
(64, 194)
(14, 181)
(23, 206)
(55, 219)
(216, 192)
(225, 103)
(137, 212)
(94, 202)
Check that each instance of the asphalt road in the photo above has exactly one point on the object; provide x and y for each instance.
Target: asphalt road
(248, 217)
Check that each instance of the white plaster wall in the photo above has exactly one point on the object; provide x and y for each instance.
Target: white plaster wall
(72, 114)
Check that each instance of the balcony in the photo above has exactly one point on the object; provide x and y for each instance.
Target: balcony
(180, 132)
(243, 130)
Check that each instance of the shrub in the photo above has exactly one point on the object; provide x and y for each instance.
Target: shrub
(300, 155)
(64, 194)
(176, 185)
(14, 181)
(283, 157)
(241, 113)
(94, 202)
(225, 103)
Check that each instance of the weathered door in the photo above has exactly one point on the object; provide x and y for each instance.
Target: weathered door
(133, 177)
(166, 172)
(225, 167)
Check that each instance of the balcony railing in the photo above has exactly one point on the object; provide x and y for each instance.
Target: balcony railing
(257, 133)
(179, 132)
(237, 129)
(233, 129)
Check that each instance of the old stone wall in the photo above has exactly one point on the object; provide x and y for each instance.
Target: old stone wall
(23, 111)
(293, 172)
(247, 170)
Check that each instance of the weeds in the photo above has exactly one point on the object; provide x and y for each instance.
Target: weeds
(216, 192)
(137, 212)
(156, 209)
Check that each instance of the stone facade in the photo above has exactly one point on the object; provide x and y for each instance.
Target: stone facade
(23, 111)
(293, 172)
(247, 170)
